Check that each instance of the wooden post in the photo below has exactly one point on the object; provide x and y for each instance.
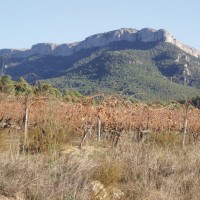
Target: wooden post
(25, 120)
(26, 126)
(83, 139)
(90, 126)
(185, 122)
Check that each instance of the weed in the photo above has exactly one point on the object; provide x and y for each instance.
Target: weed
(108, 173)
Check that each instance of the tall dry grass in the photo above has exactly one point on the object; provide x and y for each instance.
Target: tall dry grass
(155, 168)
(41, 177)
(141, 170)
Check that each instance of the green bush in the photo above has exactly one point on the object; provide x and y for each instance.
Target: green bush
(72, 96)
(46, 89)
(6, 85)
(22, 87)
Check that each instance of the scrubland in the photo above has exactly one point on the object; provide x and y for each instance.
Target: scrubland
(136, 149)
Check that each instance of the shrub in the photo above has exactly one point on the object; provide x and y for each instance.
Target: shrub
(6, 85)
(22, 87)
(46, 89)
(166, 139)
(108, 173)
(46, 137)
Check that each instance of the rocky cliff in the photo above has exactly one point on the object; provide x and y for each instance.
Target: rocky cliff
(102, 39)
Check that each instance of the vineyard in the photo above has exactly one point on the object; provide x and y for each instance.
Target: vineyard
(100, 147)
(111, 118)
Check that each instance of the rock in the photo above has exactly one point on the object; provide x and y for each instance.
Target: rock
(117, 194)
(99, 40)
(98, 192)
(44, 48)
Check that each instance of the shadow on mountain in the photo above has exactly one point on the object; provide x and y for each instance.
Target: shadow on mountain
(124, 45)
(45, 67)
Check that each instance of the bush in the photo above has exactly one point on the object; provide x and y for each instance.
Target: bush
(72, 96)
(46, 137)
(22, 87)
(108, 173)
(6, 85)
(46, 89)
(166, 139)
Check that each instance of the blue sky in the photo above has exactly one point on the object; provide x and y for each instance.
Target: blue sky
(27, 22)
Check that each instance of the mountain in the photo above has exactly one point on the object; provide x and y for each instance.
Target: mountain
(100, 40)
(147, 64)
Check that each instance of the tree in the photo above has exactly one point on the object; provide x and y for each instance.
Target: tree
(46, 89)
(22, 87)
(72, 96)
(6, 85)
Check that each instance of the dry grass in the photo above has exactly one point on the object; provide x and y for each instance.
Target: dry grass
(155, 168)
(141, 171)
(108, 172)
(40, 177)
(161, 173)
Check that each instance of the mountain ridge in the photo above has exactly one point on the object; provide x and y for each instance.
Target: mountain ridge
(100, 40)
(122, 67)
(126, 61)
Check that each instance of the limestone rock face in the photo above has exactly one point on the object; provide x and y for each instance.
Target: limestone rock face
(43, 48)
(100, 40)
(19, 52)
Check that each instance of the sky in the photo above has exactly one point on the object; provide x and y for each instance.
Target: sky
(27, 22)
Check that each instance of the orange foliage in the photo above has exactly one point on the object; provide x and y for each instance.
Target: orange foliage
(112, 112)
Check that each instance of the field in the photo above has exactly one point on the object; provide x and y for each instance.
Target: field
(115, 149)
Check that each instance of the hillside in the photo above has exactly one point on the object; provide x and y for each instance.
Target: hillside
(148, 68)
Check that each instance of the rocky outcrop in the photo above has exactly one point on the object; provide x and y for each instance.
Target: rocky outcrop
(99, 192)
(102, 39)
(190, 50)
